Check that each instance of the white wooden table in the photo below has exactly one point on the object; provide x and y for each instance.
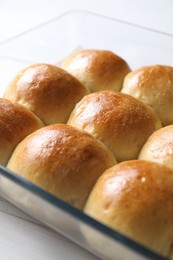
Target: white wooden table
(20, 236)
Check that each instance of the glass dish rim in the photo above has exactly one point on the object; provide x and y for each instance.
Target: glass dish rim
(78, 214)
(56, 202)
(73, 12)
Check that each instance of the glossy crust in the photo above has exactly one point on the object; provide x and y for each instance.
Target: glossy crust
(16, 122)
(154, 86)
(159, 147)
(50, 92)
(62, 160)
(97, 69)
(135, 197)
(118, 120)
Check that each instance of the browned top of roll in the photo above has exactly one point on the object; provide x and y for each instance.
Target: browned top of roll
(159, 147)
(50, 92)
(97, 69)
(135, 197)
(154, 86)
(16, 122)
(120, 121)
(63, 160)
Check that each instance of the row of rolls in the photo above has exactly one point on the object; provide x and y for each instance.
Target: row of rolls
(100, 137)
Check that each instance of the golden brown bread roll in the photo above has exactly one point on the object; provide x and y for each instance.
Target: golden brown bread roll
(154, 86)
(135, 198)
(63, 160)
(159, 147)
(50, 92)
(120, 121)
(97, 69)
(16, 122)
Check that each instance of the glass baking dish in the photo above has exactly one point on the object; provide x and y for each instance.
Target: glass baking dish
(50, 43)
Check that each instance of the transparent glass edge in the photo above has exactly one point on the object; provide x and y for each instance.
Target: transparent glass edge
(112, 234)
(73, 12)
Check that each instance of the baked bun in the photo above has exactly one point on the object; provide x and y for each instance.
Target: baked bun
(50, 92)
(63, 160)
(16, 122)
(154, 86)
(135, 198)
(159, 147)
(120, 121)
(97, 69)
